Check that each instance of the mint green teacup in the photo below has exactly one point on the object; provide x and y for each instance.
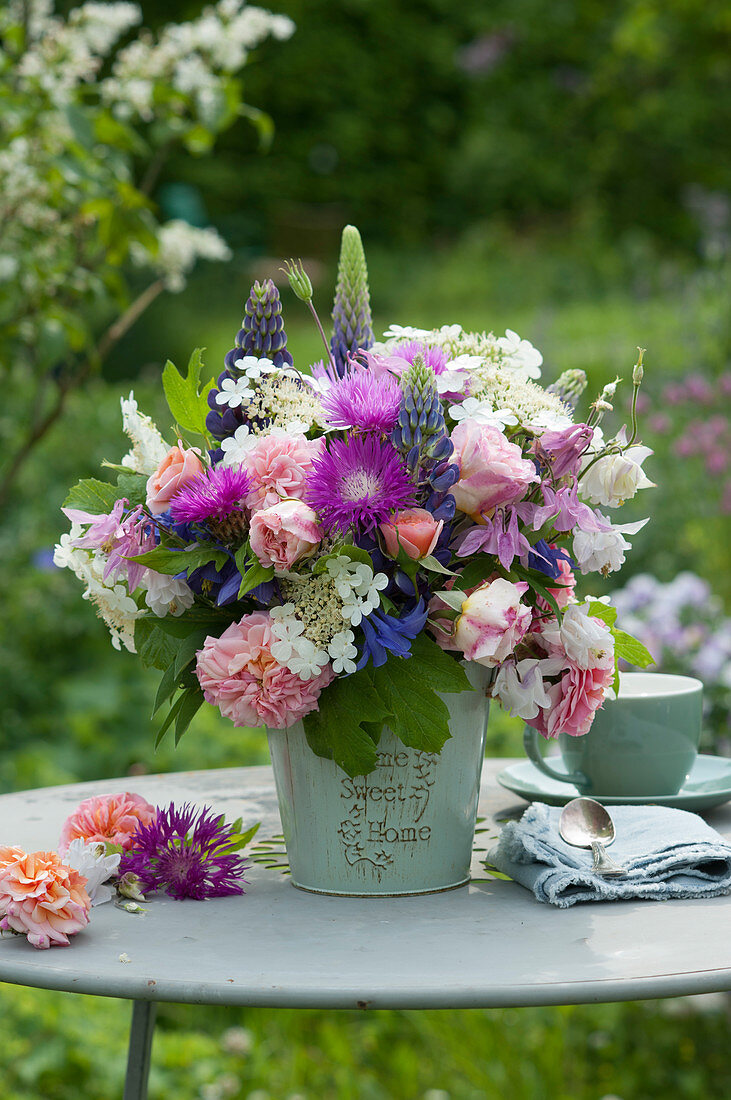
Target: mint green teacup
(641, 744)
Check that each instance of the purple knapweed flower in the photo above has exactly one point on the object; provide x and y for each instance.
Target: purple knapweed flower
(358, 483)
(186, 853)
(213, 494)
(363, 400)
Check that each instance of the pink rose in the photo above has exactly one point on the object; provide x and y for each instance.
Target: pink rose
(279, 465)
(178, 467)
(284, 534)
(492, 622)
(574, 701)
(492, 469)
(240, 676)
(107, 819)
(41, 897)
(413, 529)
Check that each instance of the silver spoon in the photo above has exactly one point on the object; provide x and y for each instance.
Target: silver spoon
(585, 823)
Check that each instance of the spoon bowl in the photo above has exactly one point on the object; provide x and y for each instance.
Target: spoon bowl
(585, 823)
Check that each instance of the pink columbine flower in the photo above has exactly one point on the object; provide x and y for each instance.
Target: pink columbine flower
(102, 530)
(562, 449)
(41, 898)
(493, 621)
(278, 466)
(107, 819)
(284, 534)
(492, 469)
(240, 676)
(179, 466)
(413, 530)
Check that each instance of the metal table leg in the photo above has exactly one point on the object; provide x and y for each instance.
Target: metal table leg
(140, 1050)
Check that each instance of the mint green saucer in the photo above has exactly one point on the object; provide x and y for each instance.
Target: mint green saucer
(709, 784)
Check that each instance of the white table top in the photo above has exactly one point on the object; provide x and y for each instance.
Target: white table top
(486, 944)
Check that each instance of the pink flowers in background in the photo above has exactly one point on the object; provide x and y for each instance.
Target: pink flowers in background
(492, 469)
(107, 819)
(179, 466)
(414, 530)
(240, 676)
(284, 534)
(41, 897)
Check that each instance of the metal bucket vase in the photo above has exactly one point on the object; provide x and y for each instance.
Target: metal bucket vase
(406, 828)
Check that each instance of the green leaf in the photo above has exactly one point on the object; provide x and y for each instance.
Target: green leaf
(452, 597)
(476, 571)
(133, 487)
(429, 562)
(154, 646)
(187, 402)
(90, 495)
(164, 560)
(632, 650)
(187, 649)
(353, 553)
(408, 688)
(192, 700)
(532, 577)
(171, 716)
(439, 669)
(335, 730)
(166, 687)
(603, 611)
(255, 575)
(209, 620)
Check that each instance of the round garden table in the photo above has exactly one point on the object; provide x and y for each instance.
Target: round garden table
(484, 945)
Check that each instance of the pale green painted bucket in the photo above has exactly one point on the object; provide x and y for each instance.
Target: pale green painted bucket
(406, 828)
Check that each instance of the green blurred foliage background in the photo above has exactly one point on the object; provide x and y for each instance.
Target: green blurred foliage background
(561, 171)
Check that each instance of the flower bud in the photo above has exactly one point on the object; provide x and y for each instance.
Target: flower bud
(639, 370)
(299, 280)
(129, 887)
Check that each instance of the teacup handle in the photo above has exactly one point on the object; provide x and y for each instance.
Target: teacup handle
(530, 743)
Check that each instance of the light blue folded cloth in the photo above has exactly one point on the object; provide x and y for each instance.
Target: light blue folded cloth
(667, 854)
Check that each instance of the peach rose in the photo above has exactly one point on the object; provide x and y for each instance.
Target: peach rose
(415, 530)
(284, 534)
(492, 470)
(178, 467)
(107, 819)
(42, 898)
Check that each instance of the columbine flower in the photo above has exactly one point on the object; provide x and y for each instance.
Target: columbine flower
(186, 853)
(358, 483)
(91, 861)
(364, 400)
(234, 392)
(214, 494)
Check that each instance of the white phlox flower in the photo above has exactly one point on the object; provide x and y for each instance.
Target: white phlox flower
(482, 412)
(342, 651)
(237, 446)
(519, 355)
(97, 868)
(253, 367)
(234, 392)
(520, 688)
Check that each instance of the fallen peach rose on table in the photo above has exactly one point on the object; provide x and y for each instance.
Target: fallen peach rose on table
(106, 819)
(41, 898)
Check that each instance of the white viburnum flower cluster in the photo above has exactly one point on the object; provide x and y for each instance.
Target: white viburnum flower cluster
(63, 54)
(179, 247)
(510, 352)
(112, 602)
(148, 446)
(533, 407)
(298, 653)
(193, 59)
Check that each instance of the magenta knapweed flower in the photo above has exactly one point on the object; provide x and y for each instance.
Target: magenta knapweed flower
(358, 483)
(213, 494)
(185, 852)
(365, 400)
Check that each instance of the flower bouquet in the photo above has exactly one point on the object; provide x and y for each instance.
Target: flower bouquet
(340, 550)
